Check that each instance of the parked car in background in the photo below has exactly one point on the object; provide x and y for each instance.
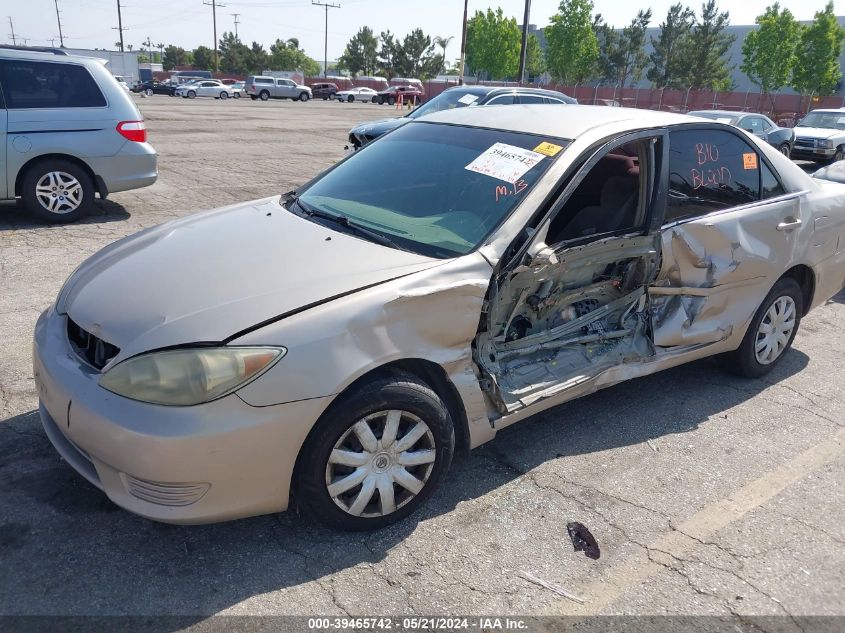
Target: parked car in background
(356, 94)
(820, 136)
(835, 172)
(69, 131)
(407, 94)
(122, 82)
(264, 88)
(154, 87)
(463, 273)
(238, 89)
(324, 90)
(205, 88)
(458, 97)
(759, 125)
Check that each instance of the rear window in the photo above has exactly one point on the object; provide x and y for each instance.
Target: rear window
(263, 80)
(29, 84)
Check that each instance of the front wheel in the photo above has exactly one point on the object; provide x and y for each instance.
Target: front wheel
(237, 95)
(374, 99)
(376, 455)
(224, 95)
(391, 101)
(784, 149)
(148, 92)
(303, 96)
(771, 331)
(57, 191)
(192, 94)
(839, 155)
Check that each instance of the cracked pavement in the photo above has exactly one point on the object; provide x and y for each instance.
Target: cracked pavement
(708, 494)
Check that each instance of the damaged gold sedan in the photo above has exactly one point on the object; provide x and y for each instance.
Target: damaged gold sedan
(335, 346)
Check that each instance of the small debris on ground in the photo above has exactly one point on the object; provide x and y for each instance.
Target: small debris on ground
(652, 445)
(582, 540)
(550, 586)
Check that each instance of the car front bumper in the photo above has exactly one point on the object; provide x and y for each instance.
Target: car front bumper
(212, 462)
(812, 153)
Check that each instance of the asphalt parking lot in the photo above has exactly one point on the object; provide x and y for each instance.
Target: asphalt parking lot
(708, 494)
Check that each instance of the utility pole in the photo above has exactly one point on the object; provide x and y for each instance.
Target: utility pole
(149, 44)
(11, 24)
(236, 16)
(523, 51)
(463, 45)
(214, 4)
(59, 20)
(326, 41)
(119, 26)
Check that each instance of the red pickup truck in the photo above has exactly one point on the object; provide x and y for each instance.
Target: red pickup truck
(407, 94)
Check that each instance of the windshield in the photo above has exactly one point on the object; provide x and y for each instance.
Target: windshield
(434, 189)
(830, 120)
(445, 101)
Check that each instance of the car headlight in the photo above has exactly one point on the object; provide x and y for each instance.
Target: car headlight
(826, 143)
(184, 377)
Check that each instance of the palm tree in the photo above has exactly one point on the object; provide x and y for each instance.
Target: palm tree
(443, 42)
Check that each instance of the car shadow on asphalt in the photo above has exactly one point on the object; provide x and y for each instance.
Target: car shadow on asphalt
(74, 552)
(16, 218)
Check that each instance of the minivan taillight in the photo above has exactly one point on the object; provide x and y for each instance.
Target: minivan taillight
(133, 131)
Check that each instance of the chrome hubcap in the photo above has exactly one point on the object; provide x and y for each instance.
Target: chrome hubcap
(775, 330)
(58, 192)
(380, 463)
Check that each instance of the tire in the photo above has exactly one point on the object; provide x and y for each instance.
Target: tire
(64, 173)
(224, 95)
(784, 149)
(192, 94)
(745, 360)
(253, 97)
(303, 96)
(406, 401)
(391, 101)
(350, 99)
(148, 92)
(264, 95)
(839, 155)
(374, 99)
(237, 95)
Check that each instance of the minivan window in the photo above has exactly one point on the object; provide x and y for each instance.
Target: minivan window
(711, 170)
(28, 84)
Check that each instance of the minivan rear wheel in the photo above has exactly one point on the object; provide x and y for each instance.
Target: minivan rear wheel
(57, 191)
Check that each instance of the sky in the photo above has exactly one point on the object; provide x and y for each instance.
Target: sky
(188, 23)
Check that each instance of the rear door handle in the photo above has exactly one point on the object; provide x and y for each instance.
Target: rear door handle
(789, 224)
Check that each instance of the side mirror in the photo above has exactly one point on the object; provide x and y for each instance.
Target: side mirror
(541, 254)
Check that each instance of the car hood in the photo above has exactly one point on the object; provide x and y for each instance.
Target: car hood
(209, 276)
(817, 132)
(372, 129)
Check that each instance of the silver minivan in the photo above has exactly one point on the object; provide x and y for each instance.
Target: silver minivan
(264, 88)
(68, 131)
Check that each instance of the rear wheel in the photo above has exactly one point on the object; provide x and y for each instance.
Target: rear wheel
(253, 97)
(771, 331)
(376, 455)
(264, 95)
(391, 101)
(57, 191)
(374, 99)
(237, 95)
(350, 98)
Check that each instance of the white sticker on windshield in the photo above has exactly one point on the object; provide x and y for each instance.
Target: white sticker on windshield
(841, 120)
(505, 162)
(467, 99)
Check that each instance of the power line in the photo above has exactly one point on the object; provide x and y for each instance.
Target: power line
(119, 26)
(214, 4)
(59, 20)
(12, 25)
(326, 41)
(236, 16)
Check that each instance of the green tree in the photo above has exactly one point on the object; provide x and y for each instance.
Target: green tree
(234, 55)
(705, 51)
(415, 57)
(387, 54)
(572, 47)
(203, 58)
(175, 56)
(666, 61)
(629, 58)
(535, 61)
(443, 42)
(817, 69)
(607, 39)
(768, 53)
(361, 53)
(493, 43)
(286, 55)
(257, 58)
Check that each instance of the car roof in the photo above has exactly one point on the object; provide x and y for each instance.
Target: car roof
(829, 110)
(544, 121)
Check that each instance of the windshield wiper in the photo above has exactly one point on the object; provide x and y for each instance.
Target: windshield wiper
(345, 222)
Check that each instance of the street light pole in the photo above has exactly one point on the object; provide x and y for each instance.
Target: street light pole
(326, 41)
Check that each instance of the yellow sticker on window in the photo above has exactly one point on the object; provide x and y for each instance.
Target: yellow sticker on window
(749, 160)
(549, 149)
